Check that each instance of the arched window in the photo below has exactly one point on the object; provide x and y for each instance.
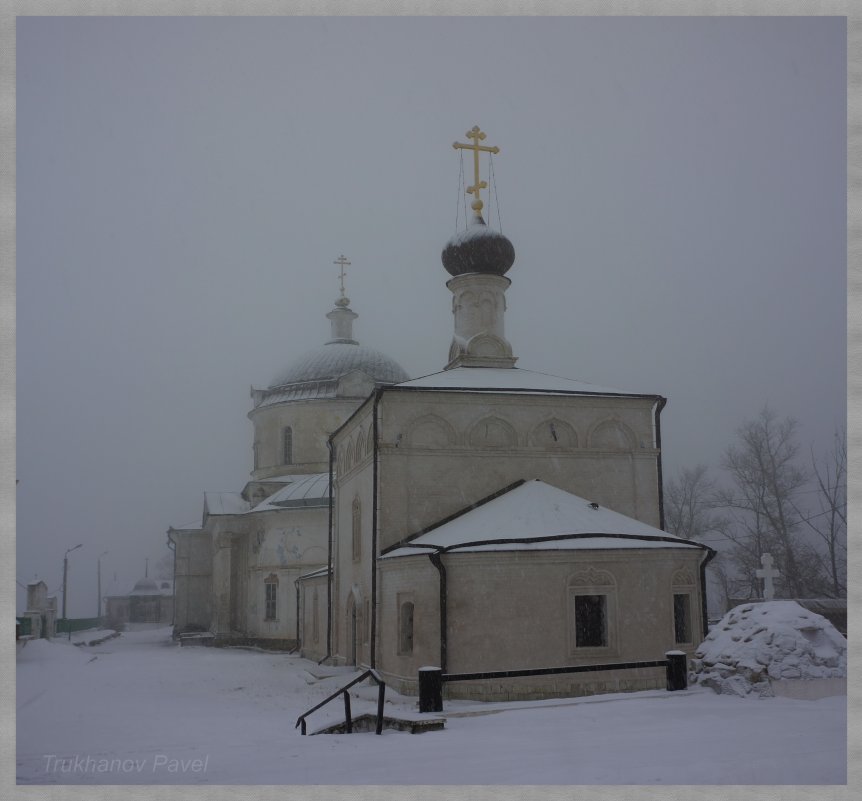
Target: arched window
(287, 446)
(255, 448)
(357, 530)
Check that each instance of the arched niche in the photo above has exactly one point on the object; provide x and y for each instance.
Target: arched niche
(554, 434)
(612, 435)
(493, 432)
(430, 431)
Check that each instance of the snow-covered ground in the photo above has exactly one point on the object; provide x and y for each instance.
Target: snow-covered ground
(138, 709)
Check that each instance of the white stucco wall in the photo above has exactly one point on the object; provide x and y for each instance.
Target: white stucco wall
(442, 451)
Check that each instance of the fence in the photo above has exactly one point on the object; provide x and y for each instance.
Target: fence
(431, 679)
(67, 626)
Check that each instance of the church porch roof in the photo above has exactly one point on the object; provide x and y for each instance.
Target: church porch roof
(311, 489)
(531, 516)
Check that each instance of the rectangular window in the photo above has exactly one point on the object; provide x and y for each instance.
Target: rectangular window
(405, 628)
(271, 595)
(682, 617)
(591, 621)
(287, 445)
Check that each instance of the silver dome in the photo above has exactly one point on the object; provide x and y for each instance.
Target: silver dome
(337, 359)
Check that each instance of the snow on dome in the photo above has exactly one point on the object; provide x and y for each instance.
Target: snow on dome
(478, 249)
(336, 359)
(755, 644)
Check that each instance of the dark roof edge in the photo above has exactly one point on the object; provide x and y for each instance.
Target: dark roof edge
(450, 518)
(521, 390)
(556, 538)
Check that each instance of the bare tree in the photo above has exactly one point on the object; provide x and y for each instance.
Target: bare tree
(688, 512)
(765, 478)
(829, 520)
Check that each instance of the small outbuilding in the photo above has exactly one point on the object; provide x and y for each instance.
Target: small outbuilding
(150, 601)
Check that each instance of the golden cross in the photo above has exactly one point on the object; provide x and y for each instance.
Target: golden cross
(342, 263)
(477, 136)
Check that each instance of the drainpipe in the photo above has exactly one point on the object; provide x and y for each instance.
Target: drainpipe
(330, 572)
(173, 546)
(662, 402)
(437, 560)
(710, 555)
(296, 584)
(374, 422)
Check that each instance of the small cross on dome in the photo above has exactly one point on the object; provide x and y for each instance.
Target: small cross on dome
(342, 262)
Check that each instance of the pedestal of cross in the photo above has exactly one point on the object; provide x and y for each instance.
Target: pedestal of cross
(767, 573)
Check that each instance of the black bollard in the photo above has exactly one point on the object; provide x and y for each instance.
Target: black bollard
(430, 689)
(677, 670)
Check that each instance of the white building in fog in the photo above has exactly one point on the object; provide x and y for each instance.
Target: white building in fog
(486, 517)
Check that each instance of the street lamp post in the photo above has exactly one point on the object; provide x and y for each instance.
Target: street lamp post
(99, 575)
(65, 575)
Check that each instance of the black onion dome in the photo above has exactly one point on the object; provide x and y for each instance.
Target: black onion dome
(479, 249)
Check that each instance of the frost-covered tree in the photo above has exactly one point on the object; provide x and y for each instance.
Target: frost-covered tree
(761, 502)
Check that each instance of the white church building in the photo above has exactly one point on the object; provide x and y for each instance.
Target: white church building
(483, 518)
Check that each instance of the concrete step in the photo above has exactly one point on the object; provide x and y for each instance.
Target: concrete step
(367, 722)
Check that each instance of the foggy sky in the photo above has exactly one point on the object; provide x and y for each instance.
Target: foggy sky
(675, 189)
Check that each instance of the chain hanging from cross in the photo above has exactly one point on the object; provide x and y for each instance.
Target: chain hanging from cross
(477, 136)
(342, 263)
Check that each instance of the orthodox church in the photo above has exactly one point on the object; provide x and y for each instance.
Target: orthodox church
(483, 518)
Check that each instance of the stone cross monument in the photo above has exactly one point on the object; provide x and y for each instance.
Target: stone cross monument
(767, 574)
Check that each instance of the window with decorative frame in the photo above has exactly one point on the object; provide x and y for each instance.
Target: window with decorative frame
(270, 584)
(683, 590)
(592, 613)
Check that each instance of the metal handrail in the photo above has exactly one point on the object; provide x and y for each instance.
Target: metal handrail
(381, 693)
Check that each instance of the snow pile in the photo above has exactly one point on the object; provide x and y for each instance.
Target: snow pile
(755, 644)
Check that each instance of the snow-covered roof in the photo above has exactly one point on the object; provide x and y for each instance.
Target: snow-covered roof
(508, 379)
(323, 571)
(188, 526)
(534, 515)
(146, 586)
(310, 489)
(225, 503)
